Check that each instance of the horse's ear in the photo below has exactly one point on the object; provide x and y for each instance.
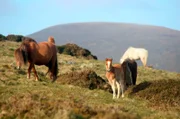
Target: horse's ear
(106, 59)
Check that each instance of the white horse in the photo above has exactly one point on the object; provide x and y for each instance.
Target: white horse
(135, 54)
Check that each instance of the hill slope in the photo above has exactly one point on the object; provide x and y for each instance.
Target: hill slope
(156, 94)
(112, 39)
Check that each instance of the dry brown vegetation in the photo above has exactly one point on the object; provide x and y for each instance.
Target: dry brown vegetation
(86, 79)
(81, 91)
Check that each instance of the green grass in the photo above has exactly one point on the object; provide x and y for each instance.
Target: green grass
(156, 94)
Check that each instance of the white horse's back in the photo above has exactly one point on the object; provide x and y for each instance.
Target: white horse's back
(135, 54)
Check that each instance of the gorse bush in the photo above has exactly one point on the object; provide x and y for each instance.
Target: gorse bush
(11, 37)
(2, 38)
(74, 50)
(16, 38)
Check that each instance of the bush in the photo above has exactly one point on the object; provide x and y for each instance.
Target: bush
(75, 50)
(16, 38)
(2, 38)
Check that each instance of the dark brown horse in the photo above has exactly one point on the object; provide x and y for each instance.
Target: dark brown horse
(130, 72)
(43, 53)
(121, 75)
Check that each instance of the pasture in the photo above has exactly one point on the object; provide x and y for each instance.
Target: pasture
(156, 94)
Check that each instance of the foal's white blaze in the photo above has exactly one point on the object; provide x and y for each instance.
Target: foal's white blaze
(108, 65)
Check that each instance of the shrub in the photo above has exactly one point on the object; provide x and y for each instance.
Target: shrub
(2, 38)
(16, 38)
(75, 50)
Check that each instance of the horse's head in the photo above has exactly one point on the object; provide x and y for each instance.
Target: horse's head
(20, 55)
(108, 64)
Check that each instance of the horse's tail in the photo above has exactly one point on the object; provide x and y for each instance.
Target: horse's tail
(51, 40)
(53, 68)
(56, 68)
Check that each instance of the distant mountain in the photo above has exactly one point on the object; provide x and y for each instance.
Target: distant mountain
(105, 39)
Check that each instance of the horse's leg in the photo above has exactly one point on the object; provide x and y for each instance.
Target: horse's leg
(123, 85)
(113, 88)
(35, 73)
(129, 74)
(134, 76)
(118, 88)
(29, 70)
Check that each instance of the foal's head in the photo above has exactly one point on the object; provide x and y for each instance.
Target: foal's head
(108, 64)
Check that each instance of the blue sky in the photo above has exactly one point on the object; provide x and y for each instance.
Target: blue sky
(28, 16)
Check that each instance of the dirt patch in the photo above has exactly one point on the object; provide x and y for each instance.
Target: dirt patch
(86, 79)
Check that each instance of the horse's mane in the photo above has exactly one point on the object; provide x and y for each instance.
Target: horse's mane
(28, 40)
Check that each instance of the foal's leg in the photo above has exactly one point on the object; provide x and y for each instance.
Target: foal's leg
(122, 89)
(113, 88)
(123, 86)
(118, 88)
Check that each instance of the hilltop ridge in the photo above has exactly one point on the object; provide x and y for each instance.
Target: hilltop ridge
(106, 39)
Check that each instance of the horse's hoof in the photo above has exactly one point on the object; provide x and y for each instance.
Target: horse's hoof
(36, 79)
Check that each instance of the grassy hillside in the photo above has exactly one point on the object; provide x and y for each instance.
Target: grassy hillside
(156, 94)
